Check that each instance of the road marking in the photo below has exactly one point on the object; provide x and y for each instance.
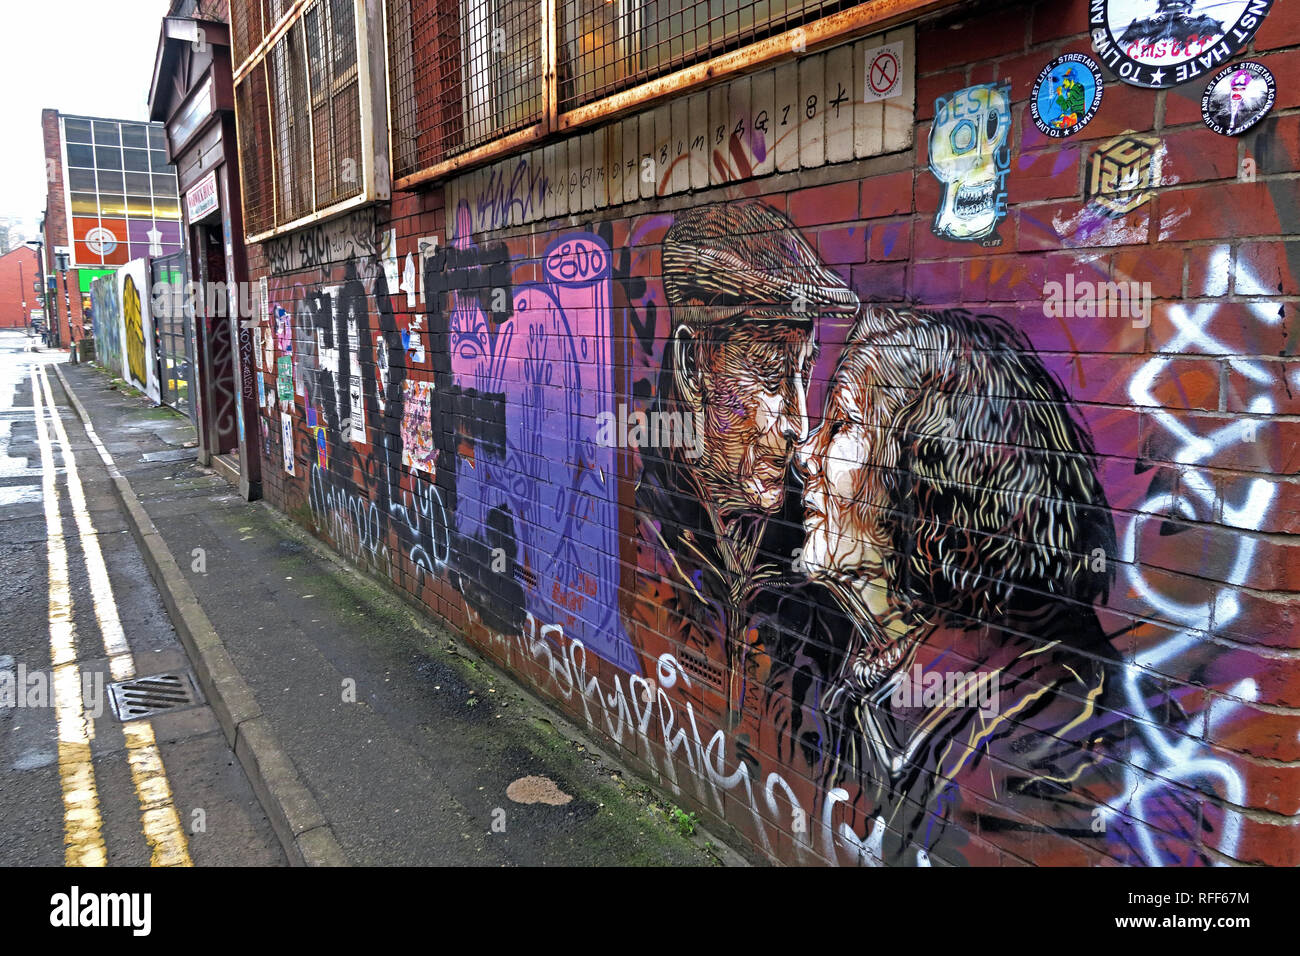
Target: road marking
(83, 837)
(158, 816)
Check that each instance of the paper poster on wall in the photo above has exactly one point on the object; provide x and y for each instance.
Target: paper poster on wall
(418, 450)
(970, 158)
(284, 378)
(286, 441)
(1164, 43)
(427, 246)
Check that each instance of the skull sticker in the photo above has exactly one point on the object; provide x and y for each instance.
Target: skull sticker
(970, 157)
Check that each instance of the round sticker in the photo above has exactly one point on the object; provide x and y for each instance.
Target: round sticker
(1238, 97)
(1066, 95)
(100, 241)
(1163, 43)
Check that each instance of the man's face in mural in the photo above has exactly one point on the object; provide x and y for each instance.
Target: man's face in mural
(748, 381)
(837, 462)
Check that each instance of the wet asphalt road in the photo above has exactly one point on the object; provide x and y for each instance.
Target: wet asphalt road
(78, 611)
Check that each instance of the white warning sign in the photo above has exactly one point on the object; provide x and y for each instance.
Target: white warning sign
(884, 72)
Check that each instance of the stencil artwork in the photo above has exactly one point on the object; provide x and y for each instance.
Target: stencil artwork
(880, 582)
(970, 157)
(1163, 43)
(1124, 173)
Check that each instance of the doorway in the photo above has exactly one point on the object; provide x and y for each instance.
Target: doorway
(218, 421)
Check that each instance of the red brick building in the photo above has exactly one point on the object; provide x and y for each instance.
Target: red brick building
(877, 421)
(19, 285)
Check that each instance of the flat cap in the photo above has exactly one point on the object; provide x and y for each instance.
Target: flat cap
(745, 261)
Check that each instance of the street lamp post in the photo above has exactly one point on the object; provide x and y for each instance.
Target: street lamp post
(45, 290)
(61, 261)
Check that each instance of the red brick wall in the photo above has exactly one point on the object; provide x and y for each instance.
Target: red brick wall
(18, 272)
(1093, 516)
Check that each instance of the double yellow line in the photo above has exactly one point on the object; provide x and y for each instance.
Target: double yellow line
(83, 824)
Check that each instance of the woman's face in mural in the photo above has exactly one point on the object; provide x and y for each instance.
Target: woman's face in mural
(753, 390)
(836, 462)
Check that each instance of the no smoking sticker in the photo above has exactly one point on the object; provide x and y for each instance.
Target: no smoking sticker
(884, 72)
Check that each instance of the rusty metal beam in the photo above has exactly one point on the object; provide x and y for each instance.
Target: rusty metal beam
(496, 149)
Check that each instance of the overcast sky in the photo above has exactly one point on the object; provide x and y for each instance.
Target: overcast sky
(90, 57)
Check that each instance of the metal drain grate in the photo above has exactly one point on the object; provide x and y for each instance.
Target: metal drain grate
(149, 696)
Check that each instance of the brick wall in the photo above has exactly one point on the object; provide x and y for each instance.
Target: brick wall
(948, 568)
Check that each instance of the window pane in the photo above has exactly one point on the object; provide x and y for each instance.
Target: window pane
(139, 207)
(167, 209)
(106, 134)
(81, 156)
(138, 184)
(112, 207)
(77, 131)
(110, 181)
(136, 160)
(135, 135)
(160, 164)
(156, 137)
(81, 179)
(85, 204)
(108, 157)
(164, 185)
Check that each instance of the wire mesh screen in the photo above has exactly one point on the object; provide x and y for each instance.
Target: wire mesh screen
(330, 27)
(245, 28)
(462, 73)
(611, 45)
(290, 126)
(255, 151)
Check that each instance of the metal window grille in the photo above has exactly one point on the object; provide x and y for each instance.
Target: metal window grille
(291, 126)
(299, 111)
(462, 73)
(612, 45)
(245, 28)
(255, 169)
(335, 100)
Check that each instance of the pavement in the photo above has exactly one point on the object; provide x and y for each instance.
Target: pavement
(78, 785)
(370, 733)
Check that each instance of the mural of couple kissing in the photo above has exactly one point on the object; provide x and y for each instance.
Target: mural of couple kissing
(890, 598)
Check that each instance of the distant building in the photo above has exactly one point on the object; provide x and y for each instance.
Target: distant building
(112, 198)
(19, 282)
